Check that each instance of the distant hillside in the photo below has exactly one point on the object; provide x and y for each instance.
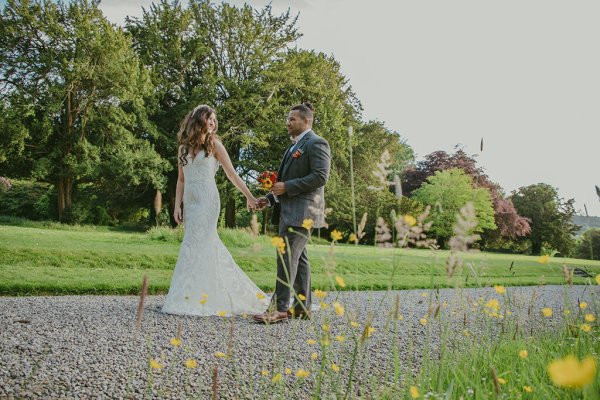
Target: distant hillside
(586, 222)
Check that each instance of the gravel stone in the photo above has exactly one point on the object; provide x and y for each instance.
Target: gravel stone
(88, 347)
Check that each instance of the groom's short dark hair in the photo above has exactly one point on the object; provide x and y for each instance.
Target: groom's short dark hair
(306, 110)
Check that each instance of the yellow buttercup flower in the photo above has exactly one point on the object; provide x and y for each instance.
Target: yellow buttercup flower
(264, 372)
(301, 373)
(410, 220)
(288, 371)
(547, 312)
(423, 294)
(203, 301)
(308, 223)
(493, 304)
(590, 317)
(523, 354)
(585, 327)
(220, 354)
(335, 367)
(175, 342)
(572, 373)
(276, 378)
(260, 296)
(324, 305)
(414, 392)
(340, 281)
(340, 338)
(352, 238)
(583, 305)
(222, 313)
(527, 389)
(423, 321)
(326, 327)
(314, 355)
(544, 259)
(500, 289)
(320, 294)
(311, 341)
(501, 381)
(370, 331)
(154, 364)
(338, 308)
(279, 243)
(191, 363)
(336, 235)
(354, 324)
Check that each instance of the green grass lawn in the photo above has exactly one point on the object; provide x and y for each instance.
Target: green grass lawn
(81, 260)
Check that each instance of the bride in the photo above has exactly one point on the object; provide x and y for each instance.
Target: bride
(206, 280)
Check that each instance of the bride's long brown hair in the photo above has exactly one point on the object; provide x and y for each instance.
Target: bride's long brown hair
(194, 132)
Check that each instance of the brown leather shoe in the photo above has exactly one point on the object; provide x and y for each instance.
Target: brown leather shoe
(271, 317)
(298, 314)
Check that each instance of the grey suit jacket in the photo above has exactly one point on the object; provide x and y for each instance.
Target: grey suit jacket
(305, 175)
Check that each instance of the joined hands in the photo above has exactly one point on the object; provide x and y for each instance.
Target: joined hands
(254, 204)
(261, 204)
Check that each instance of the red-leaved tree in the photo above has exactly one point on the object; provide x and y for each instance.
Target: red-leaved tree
(510, 224)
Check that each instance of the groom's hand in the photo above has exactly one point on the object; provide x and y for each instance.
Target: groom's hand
(261, 203)
(278, 188)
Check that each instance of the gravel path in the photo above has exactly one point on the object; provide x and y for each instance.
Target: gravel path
(87, 347)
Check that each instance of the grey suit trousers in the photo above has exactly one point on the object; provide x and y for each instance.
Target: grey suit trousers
(293, 270)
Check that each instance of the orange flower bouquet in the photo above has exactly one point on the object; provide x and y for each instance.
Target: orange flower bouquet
(267, 179)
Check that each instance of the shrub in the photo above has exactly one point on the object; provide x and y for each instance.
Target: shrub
(588, 245)
(28, 199)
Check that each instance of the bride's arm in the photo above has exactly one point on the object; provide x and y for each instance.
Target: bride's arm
(177, 213)
(223, 157)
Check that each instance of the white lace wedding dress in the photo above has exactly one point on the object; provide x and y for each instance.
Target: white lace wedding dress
(206, 280)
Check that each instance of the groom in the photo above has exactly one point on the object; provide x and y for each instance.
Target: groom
(296, 197)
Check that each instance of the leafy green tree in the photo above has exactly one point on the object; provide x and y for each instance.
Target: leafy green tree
(588, 245)
(219, 55)
(551, 217)
(173, 48)
(13, 134)
(244, 43)
(447, 191)
(78, 90)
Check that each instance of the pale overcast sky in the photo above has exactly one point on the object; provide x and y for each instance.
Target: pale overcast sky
(524, 75)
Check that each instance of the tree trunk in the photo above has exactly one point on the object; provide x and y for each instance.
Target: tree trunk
(234, 153)
(171, 191)
(64, 187)
(230, 213)
(265, 220)
(536, 248)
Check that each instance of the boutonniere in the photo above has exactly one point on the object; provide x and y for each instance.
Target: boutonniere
(297, 153)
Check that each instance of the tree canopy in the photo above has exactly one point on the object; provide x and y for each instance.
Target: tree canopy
(447, 191)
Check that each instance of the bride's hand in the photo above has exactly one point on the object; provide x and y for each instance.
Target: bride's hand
(251, 203)
(178, 215)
